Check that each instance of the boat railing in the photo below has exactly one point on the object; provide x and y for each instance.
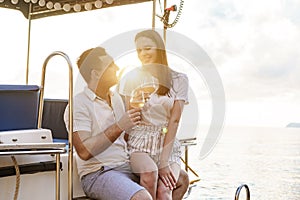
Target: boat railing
(239, 189)
(70, 125)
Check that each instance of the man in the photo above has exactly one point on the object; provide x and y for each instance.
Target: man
(102, 159)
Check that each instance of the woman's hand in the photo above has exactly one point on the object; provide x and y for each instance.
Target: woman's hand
(167, 177)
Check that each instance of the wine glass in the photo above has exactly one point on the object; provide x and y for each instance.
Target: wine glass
(149, 86)
(137, 99)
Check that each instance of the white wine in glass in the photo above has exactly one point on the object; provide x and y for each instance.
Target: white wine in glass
(137, 99)
(148, 89)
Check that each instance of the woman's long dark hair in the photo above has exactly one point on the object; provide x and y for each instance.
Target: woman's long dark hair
(161, 69)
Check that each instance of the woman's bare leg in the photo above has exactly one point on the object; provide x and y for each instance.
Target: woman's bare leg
(182, 185)
(163, 192)
(143, 165)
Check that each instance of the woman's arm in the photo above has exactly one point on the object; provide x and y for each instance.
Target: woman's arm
(164, 170)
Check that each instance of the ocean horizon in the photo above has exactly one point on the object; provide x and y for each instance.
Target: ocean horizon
(267, 159)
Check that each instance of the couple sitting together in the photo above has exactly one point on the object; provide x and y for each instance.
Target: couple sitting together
(126, 152)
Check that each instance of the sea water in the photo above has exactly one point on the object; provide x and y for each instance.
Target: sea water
(266, 159)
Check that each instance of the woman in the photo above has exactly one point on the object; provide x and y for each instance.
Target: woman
(155, 151)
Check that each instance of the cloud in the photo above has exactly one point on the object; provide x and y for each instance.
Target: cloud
(254, 45)
(291, 10)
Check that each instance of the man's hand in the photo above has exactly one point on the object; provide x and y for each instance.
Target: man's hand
(131, 118)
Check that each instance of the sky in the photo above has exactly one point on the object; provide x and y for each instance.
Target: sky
(254, 45)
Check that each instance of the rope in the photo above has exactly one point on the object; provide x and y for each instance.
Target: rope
(165, 17)
(17, 177)
(160, 6)
(177, 16)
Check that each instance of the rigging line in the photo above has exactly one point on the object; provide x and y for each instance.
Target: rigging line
(17, 177)
(160, 6)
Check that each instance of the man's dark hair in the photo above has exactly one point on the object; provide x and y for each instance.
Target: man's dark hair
(89, 60)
